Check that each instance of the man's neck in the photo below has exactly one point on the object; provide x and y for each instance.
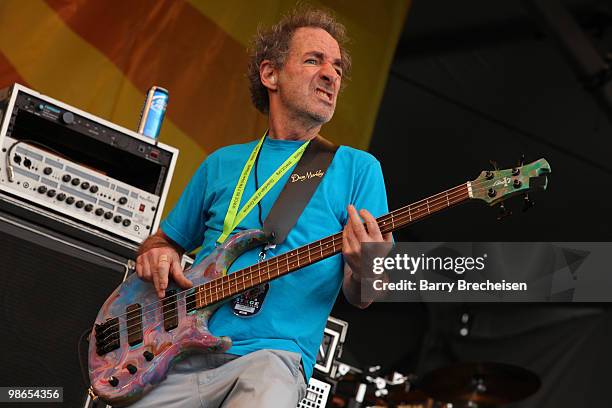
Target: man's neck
(292, 130)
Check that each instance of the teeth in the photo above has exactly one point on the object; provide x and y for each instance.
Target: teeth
(320, 92)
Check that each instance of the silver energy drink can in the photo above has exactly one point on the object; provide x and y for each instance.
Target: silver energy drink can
(153, 112)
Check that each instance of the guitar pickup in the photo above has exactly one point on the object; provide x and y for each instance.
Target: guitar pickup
(134, 323)
(190, 301)
(170, 310)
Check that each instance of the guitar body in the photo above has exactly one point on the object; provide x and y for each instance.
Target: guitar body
(124, 374)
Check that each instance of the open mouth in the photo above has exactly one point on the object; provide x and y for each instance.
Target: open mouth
(324, 94)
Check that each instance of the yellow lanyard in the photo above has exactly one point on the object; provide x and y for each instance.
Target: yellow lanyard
(233, 217)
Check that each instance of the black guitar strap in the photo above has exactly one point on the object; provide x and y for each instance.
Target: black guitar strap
(299, 189)
(286, 210)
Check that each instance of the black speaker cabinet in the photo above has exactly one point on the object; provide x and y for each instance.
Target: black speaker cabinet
(51, 287)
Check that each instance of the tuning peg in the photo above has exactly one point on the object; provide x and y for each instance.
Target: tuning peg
(521, 160)
(503, 212)
(494, 164)
(527, 203)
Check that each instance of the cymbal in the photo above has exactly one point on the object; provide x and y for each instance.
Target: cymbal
(480, 384)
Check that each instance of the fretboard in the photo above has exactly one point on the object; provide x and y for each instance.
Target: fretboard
(230, 285)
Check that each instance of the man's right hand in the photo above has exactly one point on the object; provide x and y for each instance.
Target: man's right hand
(157, 261)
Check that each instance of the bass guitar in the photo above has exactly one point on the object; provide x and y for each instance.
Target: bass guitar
(137, 337)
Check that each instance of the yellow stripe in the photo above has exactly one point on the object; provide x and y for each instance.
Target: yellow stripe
(374, 32)
(240, 18)
(57, 62)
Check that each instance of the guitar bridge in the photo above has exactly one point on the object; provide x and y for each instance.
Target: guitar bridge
(107, 336)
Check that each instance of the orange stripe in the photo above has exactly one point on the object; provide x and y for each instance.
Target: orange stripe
(8, 73)
(171, 44)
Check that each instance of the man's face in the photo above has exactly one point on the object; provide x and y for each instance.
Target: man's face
(309, 81)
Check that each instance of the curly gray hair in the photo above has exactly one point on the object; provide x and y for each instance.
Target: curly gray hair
(273, 44)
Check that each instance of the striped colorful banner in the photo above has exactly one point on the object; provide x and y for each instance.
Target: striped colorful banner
(102, 55)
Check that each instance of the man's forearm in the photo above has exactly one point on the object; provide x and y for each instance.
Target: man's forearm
(351, 287)
(159, 240)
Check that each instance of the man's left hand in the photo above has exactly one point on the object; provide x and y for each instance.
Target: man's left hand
(354, 234)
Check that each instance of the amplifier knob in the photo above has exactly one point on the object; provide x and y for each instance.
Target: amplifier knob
(126, 222)
(108, 215)
(66, 178)
(94, 189)
(85, 185)
(27, 163)
(88, 207)
(61, 197)
(68, 118)
(51, 193)
(17, 158)
(48, 170)
(70, 200)
(122, 200)
(99, 211)
(42, 189)
(75, 181)
(79, 204)
(117, 219)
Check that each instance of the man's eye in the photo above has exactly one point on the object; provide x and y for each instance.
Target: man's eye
(311, 61)
(339, 72)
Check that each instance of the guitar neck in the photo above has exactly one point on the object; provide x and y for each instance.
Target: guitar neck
(230, 285)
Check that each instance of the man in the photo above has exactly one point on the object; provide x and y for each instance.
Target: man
(295, 71)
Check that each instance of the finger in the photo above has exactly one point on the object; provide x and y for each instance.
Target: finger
(139, 267)
(388, 237)
(372, 225)
(346, 245)
(155, 279)
(353, 240)
(358, 228)
(146, 269)
(179, 277)
(163, 269)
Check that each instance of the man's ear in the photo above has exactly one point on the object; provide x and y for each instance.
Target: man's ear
(268, 75)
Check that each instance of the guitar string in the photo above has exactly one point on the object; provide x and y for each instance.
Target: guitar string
(254, 272)
(399, 215)
(278, 269)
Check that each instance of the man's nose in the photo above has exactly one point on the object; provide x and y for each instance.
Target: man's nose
(328, 73)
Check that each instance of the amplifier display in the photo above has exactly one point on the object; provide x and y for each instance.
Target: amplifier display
(82, 166)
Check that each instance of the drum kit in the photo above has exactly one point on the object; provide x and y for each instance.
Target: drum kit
(461, 385)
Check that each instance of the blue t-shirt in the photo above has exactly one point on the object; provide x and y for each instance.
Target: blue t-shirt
(295, 310)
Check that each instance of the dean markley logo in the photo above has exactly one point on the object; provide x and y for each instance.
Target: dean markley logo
(309, 174)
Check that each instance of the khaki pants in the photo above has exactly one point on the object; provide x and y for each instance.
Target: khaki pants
(265, 378)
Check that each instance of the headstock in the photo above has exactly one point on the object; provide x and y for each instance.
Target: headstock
(495, 186)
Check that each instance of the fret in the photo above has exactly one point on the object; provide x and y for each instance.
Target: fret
(298, 258)
(233, 285)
